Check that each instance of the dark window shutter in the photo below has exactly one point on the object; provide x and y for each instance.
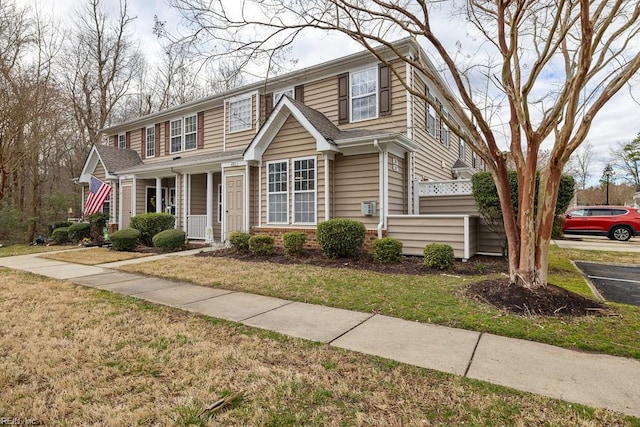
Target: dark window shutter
(166, 138)
(200, 134)
(268, 104)
(127, 139)
(298, 93)
(157, 148)
(143, 143)
(343, 98)
(384, 89)
(115, 141)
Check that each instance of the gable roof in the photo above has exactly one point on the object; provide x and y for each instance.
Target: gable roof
(112, 159)
(329, 138)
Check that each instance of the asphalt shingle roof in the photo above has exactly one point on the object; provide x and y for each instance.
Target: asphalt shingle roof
(116, 159)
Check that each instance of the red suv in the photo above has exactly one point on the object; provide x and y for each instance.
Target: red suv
(615, 222)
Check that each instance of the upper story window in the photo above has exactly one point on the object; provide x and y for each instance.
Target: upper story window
(430, 114)
(474, 160)
(279, 94)
(183, 135)
(462, 150)
(150, 142)
(240, 115)
(122, 141)
(277, 192)
(364, 96)
(444, 131)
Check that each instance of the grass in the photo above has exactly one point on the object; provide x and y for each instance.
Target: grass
(24, 249)
(432, 299)
(94, 256)
(78, 356)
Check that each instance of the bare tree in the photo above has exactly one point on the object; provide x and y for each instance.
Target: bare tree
(580, 165)
(102, 62)
(585, 44)
(626, 157)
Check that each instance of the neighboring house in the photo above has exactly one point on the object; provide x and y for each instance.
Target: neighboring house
(339, 139)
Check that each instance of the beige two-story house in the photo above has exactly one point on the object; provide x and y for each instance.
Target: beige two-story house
(340, 139)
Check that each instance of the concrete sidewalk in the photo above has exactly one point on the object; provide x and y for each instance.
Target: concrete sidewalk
(591, 379)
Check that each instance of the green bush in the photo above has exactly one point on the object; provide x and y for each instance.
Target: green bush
(57, 224)
(151, 224)
(387, 250)
(169, 240)
(556, 232)
(439, 255)
(341, 237)
(79, 231)
(293, 242)
(239, 241)
(60, 235)
(261, 245)
(125, 239)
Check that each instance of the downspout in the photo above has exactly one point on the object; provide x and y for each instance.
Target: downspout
(383, 181)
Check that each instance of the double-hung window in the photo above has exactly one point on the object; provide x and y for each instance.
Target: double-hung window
(122, 141)
(240, 115)
(277, 192)
(364, 94)
(190, 127)
(444, 130)
(183, 134)
(462, 150)
(430, 114)
(176, 135)
(150, 142)
(304, 191)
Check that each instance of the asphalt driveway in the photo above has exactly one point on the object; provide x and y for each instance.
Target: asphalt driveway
(614, 282)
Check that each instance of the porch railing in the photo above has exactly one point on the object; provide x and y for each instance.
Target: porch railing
(455, 187)
(196, 226)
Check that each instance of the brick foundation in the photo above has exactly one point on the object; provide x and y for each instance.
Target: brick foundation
(311, 242)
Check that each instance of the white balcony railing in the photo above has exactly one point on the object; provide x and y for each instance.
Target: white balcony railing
(196, 226)
(457, 187)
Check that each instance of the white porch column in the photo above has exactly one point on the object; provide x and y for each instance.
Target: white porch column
(158, 194)
(209, 230)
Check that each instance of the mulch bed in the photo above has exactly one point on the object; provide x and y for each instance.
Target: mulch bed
(548, 301)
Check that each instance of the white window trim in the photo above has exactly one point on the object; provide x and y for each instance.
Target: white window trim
(124, 140)
(462, 150)
(250, 121)
(286, 91)
(377, 94)
(315, 190)
(146, 142)
(445, 132)
(183, 134)
(285, 161)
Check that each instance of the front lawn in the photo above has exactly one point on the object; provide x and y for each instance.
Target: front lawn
(95, 256)
(77, 356)
(23, 249)
(435, 299)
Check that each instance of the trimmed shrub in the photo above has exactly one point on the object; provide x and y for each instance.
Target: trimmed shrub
(341, 237)
(169, 240)
(439, 255)
(239, 241)
(151, 224)
(261, 245)
(60, 235)
(556, 231)
(125, 239)
(387, 250)
(79, 231)
(57, 224)
(293, 242)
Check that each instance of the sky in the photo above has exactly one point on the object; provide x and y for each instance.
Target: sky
(618, 122)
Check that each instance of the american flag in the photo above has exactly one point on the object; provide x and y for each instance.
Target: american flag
(98, 193)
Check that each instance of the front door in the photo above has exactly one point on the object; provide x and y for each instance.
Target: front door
(235, 204)
(126, 205)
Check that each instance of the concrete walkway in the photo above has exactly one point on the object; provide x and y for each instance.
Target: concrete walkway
(591, 379)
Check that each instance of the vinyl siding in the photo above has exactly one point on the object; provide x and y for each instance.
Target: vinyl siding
(416, 232)
(397, 186)
(488, 241)
(99, 172)
(356, 179)
(293, 141)
(213, 130)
